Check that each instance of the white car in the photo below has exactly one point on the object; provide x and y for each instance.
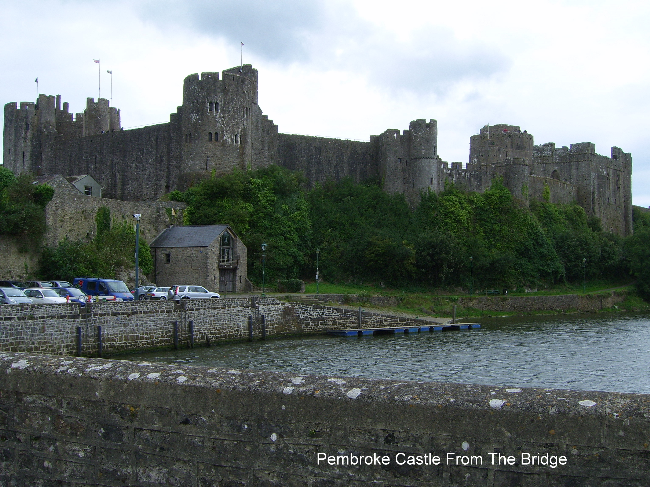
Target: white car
(190, 292)
(42, 295)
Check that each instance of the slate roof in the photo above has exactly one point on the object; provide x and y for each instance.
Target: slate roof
(188, 236)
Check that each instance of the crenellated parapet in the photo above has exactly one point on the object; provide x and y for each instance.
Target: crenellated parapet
(220, 127)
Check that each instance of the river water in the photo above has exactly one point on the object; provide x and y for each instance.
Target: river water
(602, 353)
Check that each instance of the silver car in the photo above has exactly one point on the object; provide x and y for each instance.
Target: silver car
(190, 292)
(44, 296)
(11, 295)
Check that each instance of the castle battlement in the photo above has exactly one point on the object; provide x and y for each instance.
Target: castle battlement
(220, 126)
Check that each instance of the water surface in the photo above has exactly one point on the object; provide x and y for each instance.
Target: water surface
(606, 354)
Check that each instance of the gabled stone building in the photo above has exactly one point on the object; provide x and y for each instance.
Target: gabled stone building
(207, 255)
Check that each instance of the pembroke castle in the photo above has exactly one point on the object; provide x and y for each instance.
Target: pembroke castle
(220, 126)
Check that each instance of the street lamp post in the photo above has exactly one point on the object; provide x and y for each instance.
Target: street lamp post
(137, 254)
(471, 273)
(317, 252)
(263, 266)
(584, 275)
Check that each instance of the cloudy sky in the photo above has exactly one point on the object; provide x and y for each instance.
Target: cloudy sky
(565, 70)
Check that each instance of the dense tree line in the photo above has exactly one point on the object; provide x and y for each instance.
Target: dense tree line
(452, 239)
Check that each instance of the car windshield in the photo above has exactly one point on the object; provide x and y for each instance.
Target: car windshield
(117, 287)
(14, 293)
(74, 292)
(64, 284)
(50, 293)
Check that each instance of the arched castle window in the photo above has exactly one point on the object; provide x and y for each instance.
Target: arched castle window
(555, 175)
(216, 107)
(209, 136)
(216, 136)
(210, 106)
(236, 138)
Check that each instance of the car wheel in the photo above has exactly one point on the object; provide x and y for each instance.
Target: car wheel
(163, 298)
(141, 297)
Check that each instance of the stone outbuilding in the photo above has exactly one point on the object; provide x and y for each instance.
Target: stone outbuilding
(207, 255)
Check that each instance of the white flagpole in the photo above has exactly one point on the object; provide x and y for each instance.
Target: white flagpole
(241, 61)
(99, 75)
(37, 92)
(110, 71)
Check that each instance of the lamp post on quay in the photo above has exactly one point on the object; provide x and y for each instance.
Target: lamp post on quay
(584, 275)
(317, 252)
(471, 274)
(263, 266)
(137, 254)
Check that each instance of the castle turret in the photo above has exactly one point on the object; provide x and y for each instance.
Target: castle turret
(216, 119)
(409, 161)
(100, 117)
(501, 151)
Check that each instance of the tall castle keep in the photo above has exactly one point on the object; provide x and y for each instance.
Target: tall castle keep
(220, 126)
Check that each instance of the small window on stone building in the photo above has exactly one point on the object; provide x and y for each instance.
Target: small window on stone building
(236, 138)
(216, 136)
(168, 258)
(209, 136)
(210, 106)
(216, 107)
(88, 190)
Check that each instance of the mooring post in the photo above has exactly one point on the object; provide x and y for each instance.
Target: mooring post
(263, 327)
(250, 328)
(175, 335)
(453, 320)
(359, 316)
(191, 329)
(99, 341)
(78, 341)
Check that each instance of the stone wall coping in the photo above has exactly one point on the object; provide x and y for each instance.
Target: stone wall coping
(18, 367)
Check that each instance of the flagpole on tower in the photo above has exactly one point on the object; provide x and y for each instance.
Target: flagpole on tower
(241, 60)
(99, 75)
(37, 92)
(110, 71)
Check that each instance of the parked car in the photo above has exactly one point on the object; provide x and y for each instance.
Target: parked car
(42, 295)
(158, 293)
(13, 284)
(190, 292)
(41, 284)
(73, 295)
(142, 291)
(11, 295)
(61, 284)
(104, 289)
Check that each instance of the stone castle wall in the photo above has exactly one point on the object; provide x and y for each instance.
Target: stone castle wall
(72, 214)
(220, 126)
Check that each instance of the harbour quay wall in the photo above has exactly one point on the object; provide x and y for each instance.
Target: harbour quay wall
(108, 328)
(73, 421)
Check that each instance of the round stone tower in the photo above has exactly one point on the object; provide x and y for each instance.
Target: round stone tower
(216, 120)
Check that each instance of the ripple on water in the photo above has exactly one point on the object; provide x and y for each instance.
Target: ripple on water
(609, 354)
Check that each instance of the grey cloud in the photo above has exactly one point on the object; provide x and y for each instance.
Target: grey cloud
(277, 30)
(331, 35)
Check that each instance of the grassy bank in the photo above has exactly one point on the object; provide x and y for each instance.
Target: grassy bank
(440, 303)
